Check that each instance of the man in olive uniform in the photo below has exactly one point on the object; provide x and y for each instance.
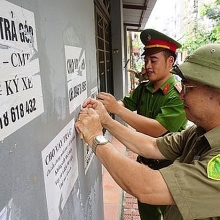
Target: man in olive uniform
(158, 100)
(141, 76)
(190, 186)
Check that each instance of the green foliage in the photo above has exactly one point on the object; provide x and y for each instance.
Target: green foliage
(200, 34)
(212, 11)
(136, 43)
(194, 41)
(215, 34)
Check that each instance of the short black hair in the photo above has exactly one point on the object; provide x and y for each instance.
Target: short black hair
(169, 53)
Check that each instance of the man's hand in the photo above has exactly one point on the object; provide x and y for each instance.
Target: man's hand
(104, 117)
(132, 71)
(109, 101)
(88, 125)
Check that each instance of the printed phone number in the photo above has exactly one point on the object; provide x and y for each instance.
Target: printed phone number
(17, 112)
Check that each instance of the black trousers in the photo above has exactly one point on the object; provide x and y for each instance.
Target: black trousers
(146, 211)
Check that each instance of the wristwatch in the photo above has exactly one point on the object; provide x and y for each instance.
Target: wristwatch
(98, 140)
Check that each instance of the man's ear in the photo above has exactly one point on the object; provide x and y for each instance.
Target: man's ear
(171, 60)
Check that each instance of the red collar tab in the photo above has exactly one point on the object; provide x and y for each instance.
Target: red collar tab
(161, 43)
(166, 89)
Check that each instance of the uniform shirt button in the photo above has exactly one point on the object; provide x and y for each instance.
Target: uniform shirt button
(194, 150)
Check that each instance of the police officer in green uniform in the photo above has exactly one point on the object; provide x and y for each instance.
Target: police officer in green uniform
(190, 186)
(158, 99)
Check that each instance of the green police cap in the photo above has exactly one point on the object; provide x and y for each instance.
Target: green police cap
(203, 65)
(155, 40)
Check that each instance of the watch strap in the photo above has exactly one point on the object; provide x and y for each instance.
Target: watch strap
(98, 140)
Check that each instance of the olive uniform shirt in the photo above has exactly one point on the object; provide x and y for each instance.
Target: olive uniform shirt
(163, 105)
(194, 177)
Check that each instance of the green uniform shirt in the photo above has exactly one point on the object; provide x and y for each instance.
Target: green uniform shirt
(194, 177)
(164, 105)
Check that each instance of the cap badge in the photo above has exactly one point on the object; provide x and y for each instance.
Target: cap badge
(148, 37)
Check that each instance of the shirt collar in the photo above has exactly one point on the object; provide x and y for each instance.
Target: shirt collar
(213, 137)
(165, 87)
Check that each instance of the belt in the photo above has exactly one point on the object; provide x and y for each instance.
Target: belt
(152, 163)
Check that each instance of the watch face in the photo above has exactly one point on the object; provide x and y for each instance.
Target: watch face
(100, 138)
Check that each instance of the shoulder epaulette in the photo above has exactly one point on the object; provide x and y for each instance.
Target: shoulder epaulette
(178, 87)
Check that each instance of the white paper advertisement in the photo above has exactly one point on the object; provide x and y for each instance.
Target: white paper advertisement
(20, 82)
(76, 76)
(3, 214)
(60, 168)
